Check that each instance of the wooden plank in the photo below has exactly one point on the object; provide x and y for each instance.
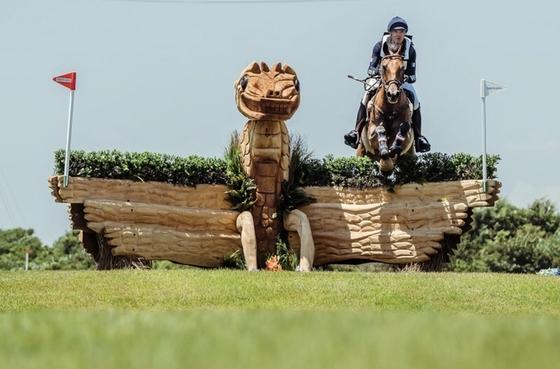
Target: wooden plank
(173, 217)
(191, 248)
(80, 189)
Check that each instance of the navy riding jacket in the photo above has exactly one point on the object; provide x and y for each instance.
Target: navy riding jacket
(410, 65)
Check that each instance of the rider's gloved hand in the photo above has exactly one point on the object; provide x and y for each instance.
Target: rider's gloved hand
(411, 79)
(373, 72)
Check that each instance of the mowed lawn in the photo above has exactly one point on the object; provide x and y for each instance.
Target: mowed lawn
(194, 318)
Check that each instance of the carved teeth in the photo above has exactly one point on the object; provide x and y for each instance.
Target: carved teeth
(272, 108)
(269, 106)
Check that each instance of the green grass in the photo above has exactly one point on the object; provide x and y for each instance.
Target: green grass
(232, 319)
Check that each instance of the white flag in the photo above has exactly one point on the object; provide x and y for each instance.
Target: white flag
(489, 87)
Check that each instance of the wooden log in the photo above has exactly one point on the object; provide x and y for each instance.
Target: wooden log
(182, 219)
(339, 218)
(54, 184)
(203, 249)
(401, 227)
(465, 191)
(80, 189)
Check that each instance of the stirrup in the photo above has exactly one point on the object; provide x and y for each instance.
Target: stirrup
(352, 139)
(422, 144)
(351, 144)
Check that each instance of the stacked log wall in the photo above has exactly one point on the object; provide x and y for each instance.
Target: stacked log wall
(194, 226)
(152, 220)
(406, 226)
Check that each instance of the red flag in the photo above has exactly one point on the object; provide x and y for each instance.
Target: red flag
(67, 80)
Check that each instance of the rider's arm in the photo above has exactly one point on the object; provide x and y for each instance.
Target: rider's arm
(411, 65)
(375, 59)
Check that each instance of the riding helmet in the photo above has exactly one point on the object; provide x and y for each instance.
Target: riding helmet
(397, 23)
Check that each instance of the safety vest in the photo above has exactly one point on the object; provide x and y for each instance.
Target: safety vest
(408, 43)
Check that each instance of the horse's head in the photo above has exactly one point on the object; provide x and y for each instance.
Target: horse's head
(392, 72)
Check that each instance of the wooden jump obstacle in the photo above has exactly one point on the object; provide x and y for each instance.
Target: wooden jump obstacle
(195, 226)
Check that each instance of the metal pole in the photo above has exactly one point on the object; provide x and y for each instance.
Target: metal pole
(483, 97)
(68, 135)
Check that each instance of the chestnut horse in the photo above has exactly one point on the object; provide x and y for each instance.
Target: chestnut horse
(387, 134)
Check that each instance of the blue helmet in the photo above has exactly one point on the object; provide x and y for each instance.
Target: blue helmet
(397, 23)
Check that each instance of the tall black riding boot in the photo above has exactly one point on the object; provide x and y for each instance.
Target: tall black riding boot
(352, 138)
(421, 143)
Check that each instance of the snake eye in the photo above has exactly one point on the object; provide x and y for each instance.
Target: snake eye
(244, 81)
(296, 84)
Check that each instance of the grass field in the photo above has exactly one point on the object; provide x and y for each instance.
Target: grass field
(232, 319)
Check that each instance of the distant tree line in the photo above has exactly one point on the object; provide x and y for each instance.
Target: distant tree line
(504, 238)
(508, 239)
(66, 253)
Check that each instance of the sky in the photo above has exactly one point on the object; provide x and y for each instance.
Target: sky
(158, 76)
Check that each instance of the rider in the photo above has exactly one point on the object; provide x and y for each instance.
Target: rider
(396, 35)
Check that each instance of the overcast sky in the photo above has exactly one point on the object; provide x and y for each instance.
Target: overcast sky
(158, 76)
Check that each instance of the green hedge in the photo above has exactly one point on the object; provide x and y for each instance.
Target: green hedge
(329, 171)
(145, 166)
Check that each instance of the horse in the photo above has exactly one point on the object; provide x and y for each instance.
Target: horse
(388, 133)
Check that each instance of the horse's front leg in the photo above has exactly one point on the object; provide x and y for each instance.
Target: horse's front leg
(382, 141)
(396, 147)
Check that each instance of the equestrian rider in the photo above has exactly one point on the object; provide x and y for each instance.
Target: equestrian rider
(396, 35)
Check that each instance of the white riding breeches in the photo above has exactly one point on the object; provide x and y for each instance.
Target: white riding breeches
(407, 86)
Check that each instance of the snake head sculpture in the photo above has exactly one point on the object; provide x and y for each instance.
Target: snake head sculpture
(263, 93)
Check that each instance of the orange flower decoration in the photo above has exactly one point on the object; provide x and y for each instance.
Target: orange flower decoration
(272, 264)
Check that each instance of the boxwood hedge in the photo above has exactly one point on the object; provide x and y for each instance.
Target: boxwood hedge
(329, 171)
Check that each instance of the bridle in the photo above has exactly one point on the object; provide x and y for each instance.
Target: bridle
(386, 84)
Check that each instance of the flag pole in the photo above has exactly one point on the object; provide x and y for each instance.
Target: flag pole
(486, 88)
(483, 97)
(27, 252)
(68, 136)
(68, 80)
